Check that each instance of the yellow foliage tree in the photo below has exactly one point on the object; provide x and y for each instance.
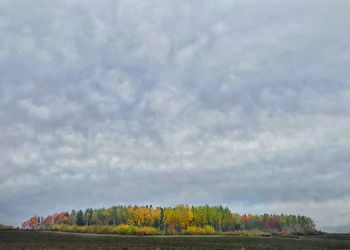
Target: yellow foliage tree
(183, 216)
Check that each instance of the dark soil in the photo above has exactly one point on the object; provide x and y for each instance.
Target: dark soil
(12, 239)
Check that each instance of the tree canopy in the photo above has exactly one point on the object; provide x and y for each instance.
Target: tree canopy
(169, 220)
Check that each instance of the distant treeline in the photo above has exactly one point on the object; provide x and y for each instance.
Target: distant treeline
(5, 227)
(169, 220)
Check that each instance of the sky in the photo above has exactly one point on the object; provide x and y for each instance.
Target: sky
(240, 103)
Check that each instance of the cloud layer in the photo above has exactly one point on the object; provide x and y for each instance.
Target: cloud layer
(242, 103)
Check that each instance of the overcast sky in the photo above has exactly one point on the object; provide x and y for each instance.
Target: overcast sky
(240, 103)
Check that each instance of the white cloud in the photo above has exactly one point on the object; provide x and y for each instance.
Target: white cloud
(38, 111)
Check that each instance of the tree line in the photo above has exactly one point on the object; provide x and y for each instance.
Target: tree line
(5, 227)
(168, 220)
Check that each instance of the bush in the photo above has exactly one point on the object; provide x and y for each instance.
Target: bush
(200, 230)
(91, 229)
(147, 231)
(247, 233)
(124, 229)
(104, 229)
(208, 230)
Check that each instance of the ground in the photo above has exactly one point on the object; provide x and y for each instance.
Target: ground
(51, 240)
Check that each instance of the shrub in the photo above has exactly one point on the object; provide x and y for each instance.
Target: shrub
(104, 229)
(91, 229)
(200, 230)
(124, 229)
(147, 231)
(249, 233)
(208, 230)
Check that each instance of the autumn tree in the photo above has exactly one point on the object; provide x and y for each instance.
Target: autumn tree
(170, 219)
(183, 216)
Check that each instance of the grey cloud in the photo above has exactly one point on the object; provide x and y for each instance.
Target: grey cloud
(237, 102)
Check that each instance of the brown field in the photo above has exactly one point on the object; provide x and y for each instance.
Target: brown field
(55, 240)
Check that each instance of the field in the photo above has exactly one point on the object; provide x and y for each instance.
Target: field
(51, 240)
